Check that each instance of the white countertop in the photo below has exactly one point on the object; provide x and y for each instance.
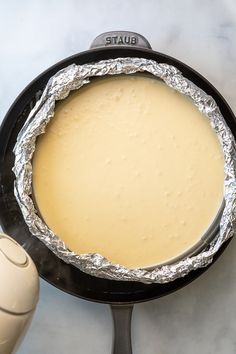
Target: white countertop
(200, 318)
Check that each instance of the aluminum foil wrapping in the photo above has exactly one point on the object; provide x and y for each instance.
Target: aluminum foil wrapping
(58, 88)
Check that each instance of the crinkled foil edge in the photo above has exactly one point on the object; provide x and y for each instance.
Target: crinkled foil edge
(58, 88)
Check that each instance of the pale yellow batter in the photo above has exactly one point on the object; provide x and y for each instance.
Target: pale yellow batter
(130, 169)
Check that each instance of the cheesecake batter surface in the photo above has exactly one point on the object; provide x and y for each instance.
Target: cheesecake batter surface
(130, 169)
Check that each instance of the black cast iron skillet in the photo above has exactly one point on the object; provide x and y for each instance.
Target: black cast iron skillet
(120, 295)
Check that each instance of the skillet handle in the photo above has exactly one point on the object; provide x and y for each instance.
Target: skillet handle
(122, 329)
(120, 38)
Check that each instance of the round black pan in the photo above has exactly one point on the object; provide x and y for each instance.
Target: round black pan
(55, 271)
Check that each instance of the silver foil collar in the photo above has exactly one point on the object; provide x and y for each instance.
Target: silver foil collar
(58, 88)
